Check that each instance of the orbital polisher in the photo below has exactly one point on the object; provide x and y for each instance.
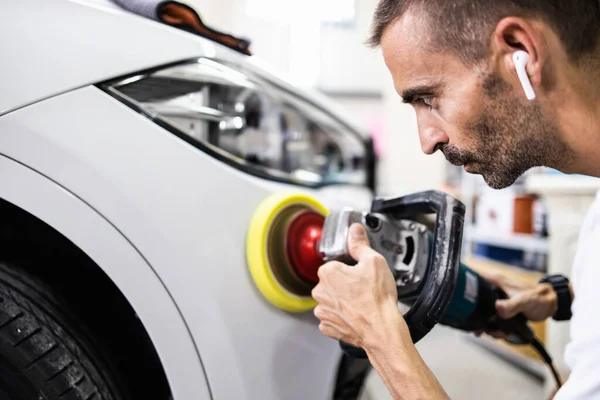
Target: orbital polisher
(292, 236)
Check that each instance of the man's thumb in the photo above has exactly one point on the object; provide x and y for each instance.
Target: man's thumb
(358, 241)
(510, 307)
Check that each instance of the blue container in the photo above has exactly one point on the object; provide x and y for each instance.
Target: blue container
(500, 254)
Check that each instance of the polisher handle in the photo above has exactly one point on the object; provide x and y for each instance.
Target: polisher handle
(442, 275)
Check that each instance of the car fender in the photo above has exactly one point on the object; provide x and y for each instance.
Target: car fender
(188, 214)
(110, 250)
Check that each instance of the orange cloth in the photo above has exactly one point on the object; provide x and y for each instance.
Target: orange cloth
(182, 16)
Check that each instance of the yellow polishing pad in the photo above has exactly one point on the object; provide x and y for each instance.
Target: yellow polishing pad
(263, 235)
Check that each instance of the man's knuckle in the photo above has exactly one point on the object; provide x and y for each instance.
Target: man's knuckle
(320, 272)
(368, 259)
(324, 270)
(316, 292)
(318, 311)
(329, 269)
(325, 329)
(375, 258)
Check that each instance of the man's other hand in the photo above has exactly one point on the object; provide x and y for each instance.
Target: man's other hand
(358, 304)
(537, 301)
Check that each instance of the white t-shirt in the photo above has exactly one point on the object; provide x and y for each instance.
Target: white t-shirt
(582, 354)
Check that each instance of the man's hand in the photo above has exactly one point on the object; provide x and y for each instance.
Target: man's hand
(537, 301)
(358, 304)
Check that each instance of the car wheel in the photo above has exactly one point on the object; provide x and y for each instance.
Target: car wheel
(44, 354)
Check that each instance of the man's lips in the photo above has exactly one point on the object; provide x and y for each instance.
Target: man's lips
(467, 165)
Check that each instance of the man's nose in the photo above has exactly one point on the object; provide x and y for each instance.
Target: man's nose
(431, 139)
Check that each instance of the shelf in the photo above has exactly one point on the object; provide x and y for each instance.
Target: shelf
(483, 264)
(568, 185)
(513, 241)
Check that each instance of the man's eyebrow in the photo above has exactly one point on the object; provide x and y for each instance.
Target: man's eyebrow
(408, 95)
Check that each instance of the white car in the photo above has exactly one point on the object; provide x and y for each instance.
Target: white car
(133, 158)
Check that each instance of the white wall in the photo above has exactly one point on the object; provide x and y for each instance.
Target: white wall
(347, 64)
(290, 37)
(404, 167)
(269, 36)
(216, 14)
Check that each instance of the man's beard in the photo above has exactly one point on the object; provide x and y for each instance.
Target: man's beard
(510, 137)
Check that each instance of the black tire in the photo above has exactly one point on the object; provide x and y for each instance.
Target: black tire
(44, 354)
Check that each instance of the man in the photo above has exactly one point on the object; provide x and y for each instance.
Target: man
(453, 62)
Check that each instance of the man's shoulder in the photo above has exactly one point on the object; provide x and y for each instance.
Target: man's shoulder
(588, 239)
(592, 216)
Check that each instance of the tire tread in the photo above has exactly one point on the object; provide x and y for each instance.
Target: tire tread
(31, 322)
(43, 355)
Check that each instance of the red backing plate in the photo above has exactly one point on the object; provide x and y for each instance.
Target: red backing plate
(302, 241)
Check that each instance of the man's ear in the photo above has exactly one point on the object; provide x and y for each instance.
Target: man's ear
(513, 34)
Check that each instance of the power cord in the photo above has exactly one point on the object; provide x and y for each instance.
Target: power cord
(521, 333)
(539, 347)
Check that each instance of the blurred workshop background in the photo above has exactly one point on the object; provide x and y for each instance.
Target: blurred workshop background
(526, 230)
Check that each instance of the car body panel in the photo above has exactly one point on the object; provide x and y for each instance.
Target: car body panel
(104, 244)
(188, 214)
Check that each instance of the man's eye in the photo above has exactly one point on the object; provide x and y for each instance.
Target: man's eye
(427, 101)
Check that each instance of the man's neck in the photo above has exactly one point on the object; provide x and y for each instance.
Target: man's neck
(578, 116)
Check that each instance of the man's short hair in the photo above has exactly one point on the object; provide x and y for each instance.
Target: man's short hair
(465, 26)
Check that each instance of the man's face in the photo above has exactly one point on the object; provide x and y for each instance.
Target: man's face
(469, 113)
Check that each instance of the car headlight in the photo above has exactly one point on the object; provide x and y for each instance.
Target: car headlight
(246, 120)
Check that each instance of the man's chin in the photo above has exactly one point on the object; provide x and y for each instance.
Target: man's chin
(496, 181)
(471, 168)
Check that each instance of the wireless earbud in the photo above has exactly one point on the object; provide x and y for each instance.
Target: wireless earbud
(520, 58)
